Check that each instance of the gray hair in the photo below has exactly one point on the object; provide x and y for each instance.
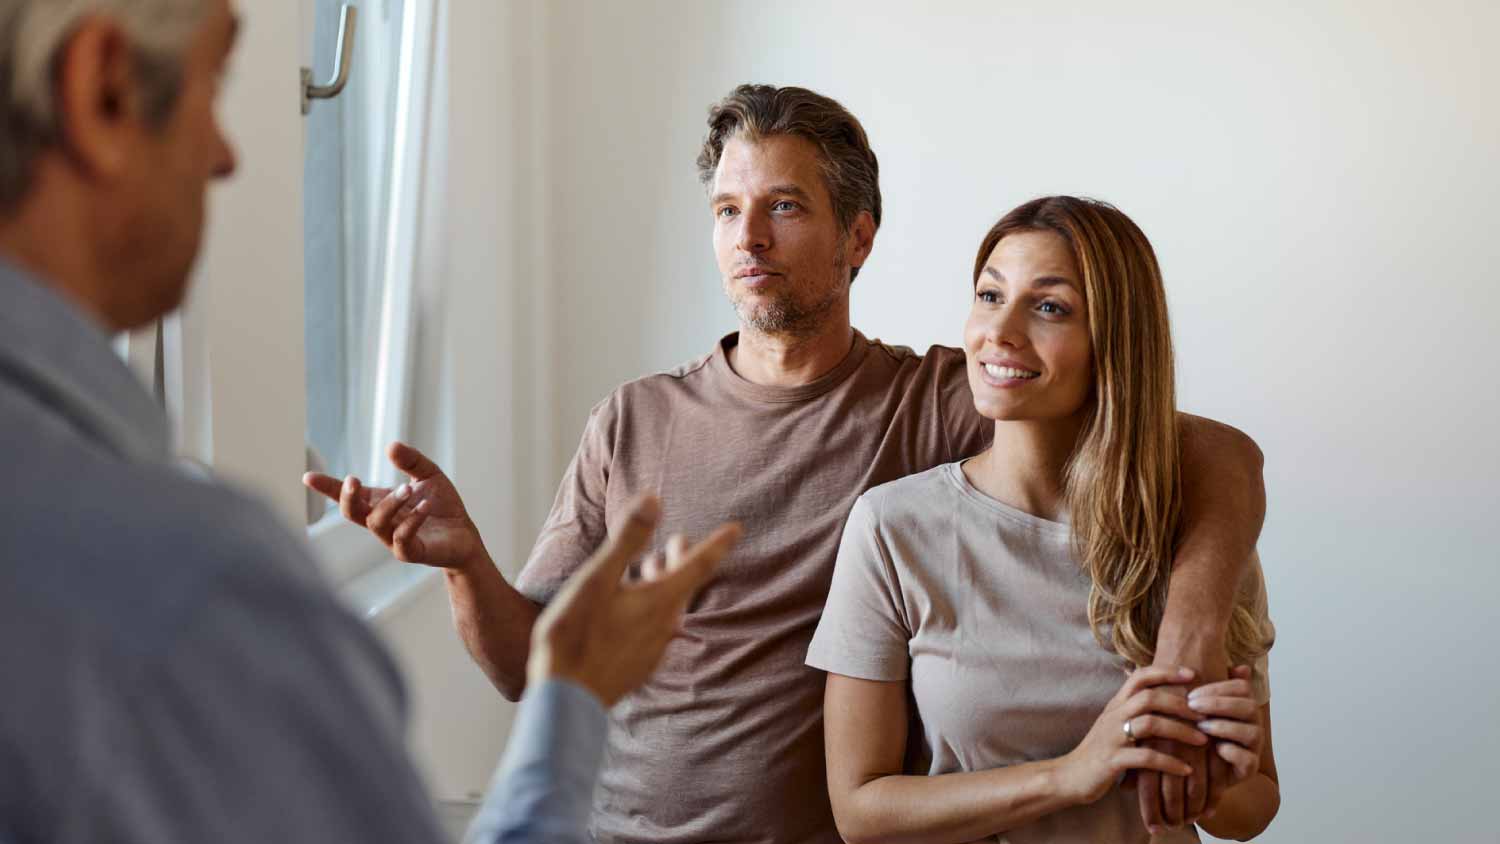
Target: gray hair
(32, 34)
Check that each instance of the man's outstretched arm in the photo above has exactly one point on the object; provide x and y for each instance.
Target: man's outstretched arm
(424, 521)
(1224, 506)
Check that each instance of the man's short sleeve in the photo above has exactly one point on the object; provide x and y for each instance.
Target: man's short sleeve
(863, 632)
(576, 526)
(966, 431)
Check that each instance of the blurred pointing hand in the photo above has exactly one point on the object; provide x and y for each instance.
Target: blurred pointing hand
(607, 635)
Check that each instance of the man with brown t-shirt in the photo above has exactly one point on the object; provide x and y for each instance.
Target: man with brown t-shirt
(780, 427)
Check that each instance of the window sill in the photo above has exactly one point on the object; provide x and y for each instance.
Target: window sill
(387, 588)
(362, 571)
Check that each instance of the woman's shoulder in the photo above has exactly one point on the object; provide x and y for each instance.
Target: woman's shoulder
(913, 496)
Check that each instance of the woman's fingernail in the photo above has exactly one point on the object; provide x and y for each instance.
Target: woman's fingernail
(402, 492)
(1198, 703)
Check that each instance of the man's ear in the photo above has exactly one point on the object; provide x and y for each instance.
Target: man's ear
(98, 108)
(861, 239)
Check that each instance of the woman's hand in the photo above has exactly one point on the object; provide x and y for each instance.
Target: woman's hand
(1108, 751)
(1232, 717)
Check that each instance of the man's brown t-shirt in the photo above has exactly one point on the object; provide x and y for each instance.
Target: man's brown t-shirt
(725, 741)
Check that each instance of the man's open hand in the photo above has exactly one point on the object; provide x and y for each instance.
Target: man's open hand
(421, 521)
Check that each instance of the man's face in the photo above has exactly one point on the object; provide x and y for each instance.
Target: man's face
(165, 195)
(783, 256)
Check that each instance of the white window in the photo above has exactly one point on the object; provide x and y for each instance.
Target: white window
(361, 193)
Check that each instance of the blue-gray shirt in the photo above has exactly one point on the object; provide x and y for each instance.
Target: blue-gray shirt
(172, 666)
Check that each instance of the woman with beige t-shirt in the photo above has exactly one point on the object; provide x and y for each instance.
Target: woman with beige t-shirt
(999, 599)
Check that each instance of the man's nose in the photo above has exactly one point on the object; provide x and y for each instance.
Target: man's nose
(755, 233)
(225, 160)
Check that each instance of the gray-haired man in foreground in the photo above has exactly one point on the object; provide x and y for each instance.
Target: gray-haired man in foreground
(175, 670)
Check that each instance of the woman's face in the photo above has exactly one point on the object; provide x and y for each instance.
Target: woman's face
(1027, 337)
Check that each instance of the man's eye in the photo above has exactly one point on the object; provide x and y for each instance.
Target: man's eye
(726, 211)
(785, 205)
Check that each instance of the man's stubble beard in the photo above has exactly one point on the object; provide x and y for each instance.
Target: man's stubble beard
(784, 315)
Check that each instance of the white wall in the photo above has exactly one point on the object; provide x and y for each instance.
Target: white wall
(466, 404)
(1318, 180)
(251, 262)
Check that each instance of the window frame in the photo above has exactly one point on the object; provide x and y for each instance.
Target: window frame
(350, 555)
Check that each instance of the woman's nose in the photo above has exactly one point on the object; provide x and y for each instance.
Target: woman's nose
(1007, 328)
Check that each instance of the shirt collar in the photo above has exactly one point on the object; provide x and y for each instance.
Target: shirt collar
(52, 352)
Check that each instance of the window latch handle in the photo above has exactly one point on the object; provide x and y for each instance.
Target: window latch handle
(348, 17)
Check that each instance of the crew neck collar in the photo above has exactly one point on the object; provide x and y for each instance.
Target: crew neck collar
(741, 386)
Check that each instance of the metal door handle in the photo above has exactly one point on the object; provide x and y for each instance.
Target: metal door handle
(348, 17)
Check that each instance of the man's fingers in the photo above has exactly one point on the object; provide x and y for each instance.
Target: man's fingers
(676, 551)
(627, 540)
(385, 515)
(411, 461)
(698, 564)
(1195, 790)
(1152, 763)
(1173, 800)
(404, 540)
(353, 502)
(652, 566)
(1148, 796)
(1220, 778)
(1245, 762)
(324, 485)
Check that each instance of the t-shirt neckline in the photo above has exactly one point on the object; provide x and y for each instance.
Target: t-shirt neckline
(739, 385)
(956, 475)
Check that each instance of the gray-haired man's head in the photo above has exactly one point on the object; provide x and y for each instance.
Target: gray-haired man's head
(33, 33)
(108, 136)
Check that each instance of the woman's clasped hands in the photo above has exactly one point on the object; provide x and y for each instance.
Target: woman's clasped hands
(1154, 703)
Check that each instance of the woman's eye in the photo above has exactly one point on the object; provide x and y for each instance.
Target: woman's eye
(989, 297)
(1051, 308)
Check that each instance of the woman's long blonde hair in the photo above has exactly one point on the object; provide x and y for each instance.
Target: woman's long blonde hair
(1123, 484)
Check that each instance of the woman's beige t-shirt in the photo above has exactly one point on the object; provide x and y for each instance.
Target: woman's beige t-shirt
(983, 609)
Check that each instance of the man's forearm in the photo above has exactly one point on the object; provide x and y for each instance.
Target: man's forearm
(495, 622)
(1245, 810)
(1224, 504)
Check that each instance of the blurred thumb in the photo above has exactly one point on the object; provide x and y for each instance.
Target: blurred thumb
(627, 542)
